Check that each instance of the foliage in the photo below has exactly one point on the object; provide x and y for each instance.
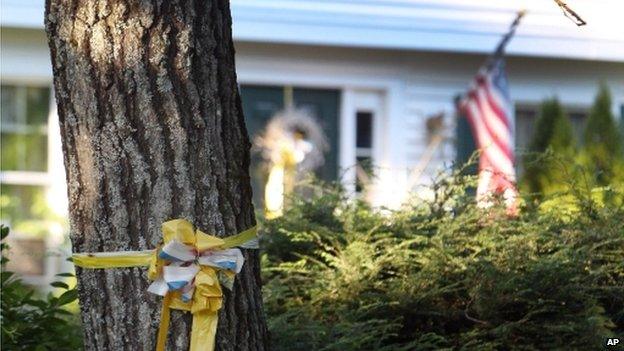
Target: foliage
(442, 274)
(602, 149)
(27, 210)
(553, 133)
(621, 129)
(600, 127)
(36, 323)
(552, 128)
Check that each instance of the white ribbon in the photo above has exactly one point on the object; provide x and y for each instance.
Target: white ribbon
(185, 263)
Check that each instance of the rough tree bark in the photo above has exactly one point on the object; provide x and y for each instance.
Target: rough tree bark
(152, 130)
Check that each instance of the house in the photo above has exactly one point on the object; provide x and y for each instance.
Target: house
(380, 76)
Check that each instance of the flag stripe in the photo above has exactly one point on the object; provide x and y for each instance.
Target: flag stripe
(496, 130)
(488, 147)
(489, 113)
(494, 101)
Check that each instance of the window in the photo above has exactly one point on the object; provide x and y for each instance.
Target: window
(24, 128)
(525, 124)
(22, 202)
(364, 148)
(24, 173)
(525, 127)
(261, 103)
(364, 130)
(360, 136)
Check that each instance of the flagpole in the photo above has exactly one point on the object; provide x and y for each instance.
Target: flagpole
(492, 58)
(500, 48)
(502, 44)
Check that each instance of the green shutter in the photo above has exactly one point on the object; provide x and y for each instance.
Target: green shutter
(260, 103)
(465, 143)
(622, 124)
(324, 105)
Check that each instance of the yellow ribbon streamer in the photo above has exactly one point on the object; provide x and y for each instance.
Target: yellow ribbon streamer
(208, 296)
(114, 259)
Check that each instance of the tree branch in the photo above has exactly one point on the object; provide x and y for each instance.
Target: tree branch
(569, 13)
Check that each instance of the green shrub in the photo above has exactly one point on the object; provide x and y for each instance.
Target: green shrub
(553, 133)
(598, 157)
(442, 275)
(602, 150)
(36, 323)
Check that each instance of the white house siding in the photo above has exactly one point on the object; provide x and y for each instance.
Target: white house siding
(24, 56)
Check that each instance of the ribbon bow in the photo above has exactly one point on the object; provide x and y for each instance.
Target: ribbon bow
(188, 271)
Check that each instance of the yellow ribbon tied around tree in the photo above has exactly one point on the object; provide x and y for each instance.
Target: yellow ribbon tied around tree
(188, 271)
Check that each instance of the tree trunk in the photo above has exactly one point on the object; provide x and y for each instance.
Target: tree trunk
(152, 130)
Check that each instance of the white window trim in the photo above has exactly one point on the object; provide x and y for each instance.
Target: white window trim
(354, 101)
(25, 178)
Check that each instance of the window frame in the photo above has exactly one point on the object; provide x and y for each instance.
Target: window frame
(355, 101)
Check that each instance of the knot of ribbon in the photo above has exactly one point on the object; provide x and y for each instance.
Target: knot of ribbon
(188, 270)
(185, 271)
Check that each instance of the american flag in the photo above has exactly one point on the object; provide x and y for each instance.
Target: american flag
(488, 109)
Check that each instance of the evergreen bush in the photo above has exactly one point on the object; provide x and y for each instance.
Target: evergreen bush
(442, 274)
(553, 135)
(35, 323)
(602, 148)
